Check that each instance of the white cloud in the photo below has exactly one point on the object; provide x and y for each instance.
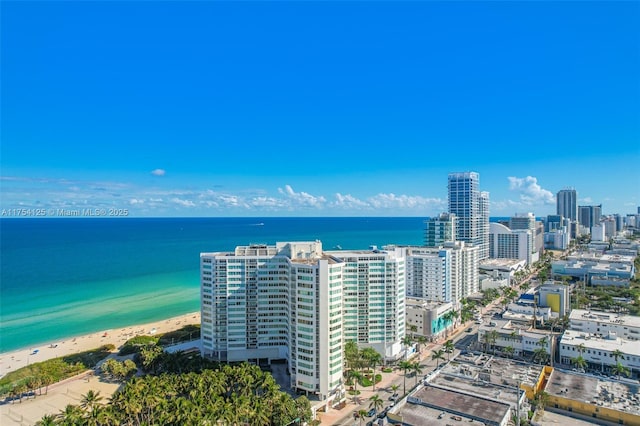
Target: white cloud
(531, 193)
(135, 201)
(301, 199)
(349, 202)
(182, 202)
(586, 200)
(158, 172)
(267, 202)
(393, 201)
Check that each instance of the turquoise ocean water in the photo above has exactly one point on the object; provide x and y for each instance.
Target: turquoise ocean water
(66, 277)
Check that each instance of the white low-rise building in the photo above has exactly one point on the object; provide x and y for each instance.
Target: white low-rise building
(491, 281)
(608, 258)
(524, 340)
(601, 323)
(582, 269)
(502, 268)
(429, 318)
(524, 312)
(601, 353)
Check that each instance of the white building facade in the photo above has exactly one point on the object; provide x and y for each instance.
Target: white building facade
(471, 208)
(374, 294)
(429, 273)
(601, 323)
(293, 301)
(505, 243)
(523, 341)
(600, 353)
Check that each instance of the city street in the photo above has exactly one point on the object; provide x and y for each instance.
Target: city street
(345, 416)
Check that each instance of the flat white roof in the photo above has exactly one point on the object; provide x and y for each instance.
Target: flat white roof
(576, 338)
(609, 317)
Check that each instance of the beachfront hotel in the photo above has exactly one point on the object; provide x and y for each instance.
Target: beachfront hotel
(294, 302)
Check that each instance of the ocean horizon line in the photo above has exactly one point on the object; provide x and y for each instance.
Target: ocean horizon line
(223, 217)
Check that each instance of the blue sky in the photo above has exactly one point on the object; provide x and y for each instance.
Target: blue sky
(318, 108)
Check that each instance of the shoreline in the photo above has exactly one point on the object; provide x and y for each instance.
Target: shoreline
(15, 359)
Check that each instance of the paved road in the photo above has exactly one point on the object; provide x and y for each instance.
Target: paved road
(461, 339)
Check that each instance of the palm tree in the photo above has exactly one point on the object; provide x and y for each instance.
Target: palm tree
(421, 340)
(351, 353)
(490, 339)
(376, 402)
(540, 400)
(90, 399)
(449, 347)
(394, 388)
(47, 420)
(466, 314)
(543, 342)
(405, 365)
(406, 341)
(450, 318)
(33, 383)
(619, 370)
(617, 354)
(417, 369)
(93, 416)
(47, 380)
(355, 375)
(373, 358)
(362, 414)
(437, 356)
(509, 350)
(541, 355)
(71, 415)
(581, 348)
(579, 362)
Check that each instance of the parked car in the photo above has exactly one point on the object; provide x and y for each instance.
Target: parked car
(393, 397)
(469, 330)
(382, 414)
(371, 412)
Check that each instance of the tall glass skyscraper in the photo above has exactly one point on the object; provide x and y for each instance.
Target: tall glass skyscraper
(471, 208)
(567, 204)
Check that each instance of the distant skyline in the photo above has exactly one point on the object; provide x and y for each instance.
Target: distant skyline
(318, 108)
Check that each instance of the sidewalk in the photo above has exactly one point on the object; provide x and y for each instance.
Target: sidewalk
(335, 417)
(69, 391)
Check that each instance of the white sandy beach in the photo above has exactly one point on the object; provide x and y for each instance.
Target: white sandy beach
(11, 361)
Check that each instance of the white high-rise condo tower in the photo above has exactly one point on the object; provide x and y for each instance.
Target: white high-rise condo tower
(471, 208)
(293, 301)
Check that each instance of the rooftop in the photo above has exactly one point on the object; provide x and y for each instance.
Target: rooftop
(598, 391)
(602, 258)
(591, 341)
(609, 317)
(457, 403)
(416, 414)
(491, 376)
(502, 264)
(506, 326)
(425, 304)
